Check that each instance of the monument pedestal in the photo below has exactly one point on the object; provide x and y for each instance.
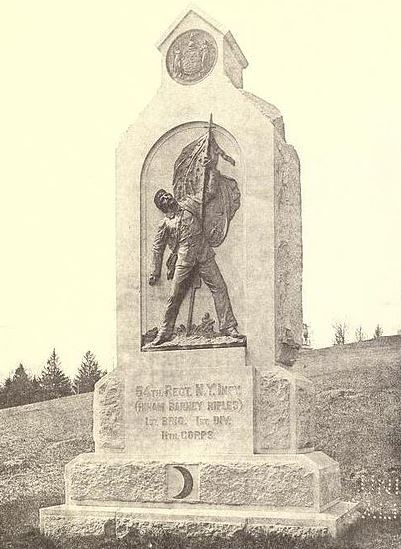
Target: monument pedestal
(201, 450)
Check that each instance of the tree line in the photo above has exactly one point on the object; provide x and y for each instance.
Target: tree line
(22, 388)
(341, 333)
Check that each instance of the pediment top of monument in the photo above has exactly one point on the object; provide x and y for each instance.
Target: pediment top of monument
(192, 11)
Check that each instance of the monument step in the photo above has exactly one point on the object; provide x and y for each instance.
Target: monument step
(66, 521)
(303, 482)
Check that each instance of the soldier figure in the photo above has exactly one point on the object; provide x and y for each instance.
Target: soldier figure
(191, 254)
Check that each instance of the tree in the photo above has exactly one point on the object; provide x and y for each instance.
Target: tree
(19, 388)
(37, 391)
(360, 334)
(378, 331)
(4, 392)
(340, 331)
(53, 381)
(88, 374)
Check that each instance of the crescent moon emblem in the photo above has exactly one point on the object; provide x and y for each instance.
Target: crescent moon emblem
(188, 482)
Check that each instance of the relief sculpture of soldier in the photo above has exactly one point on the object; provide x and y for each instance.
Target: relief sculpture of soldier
(196, 219)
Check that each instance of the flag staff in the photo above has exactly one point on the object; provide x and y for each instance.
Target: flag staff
(196, 280)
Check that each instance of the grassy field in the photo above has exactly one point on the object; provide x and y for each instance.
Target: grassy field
(37, 440)
(358, 418)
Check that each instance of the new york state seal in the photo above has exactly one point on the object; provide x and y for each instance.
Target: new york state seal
(191, 57)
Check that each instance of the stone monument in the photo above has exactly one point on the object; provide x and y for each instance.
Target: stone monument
(203, 425)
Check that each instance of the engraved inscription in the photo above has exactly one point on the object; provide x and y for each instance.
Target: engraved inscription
(200, 411)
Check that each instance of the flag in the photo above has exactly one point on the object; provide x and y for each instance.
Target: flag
(200, 187)
(190, 170)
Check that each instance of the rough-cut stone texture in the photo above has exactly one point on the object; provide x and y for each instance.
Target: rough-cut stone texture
(299, 480)
(304, 415)
(282, 412)
(106, 480)
(231, 66)
(288, 248)
(330, 486)
(66, 522)
(109, 416)
(328, 483)
(190, 529)
(208, 531)
(263, 484)
(272, 411)
(63, 523)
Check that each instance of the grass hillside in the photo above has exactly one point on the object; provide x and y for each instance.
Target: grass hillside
(37, 440)
(358, 415)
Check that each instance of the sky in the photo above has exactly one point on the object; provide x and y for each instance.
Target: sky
(76, 74)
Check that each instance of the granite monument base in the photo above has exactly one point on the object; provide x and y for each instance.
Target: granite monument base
(112, 494)
(200, 442)
(69, 521)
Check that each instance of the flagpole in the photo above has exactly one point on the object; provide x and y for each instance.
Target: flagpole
(196, 281)
(206, 174)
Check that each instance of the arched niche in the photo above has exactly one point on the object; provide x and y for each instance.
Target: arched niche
(157, 172)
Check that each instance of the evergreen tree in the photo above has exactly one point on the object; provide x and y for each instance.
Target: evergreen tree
(53, 381)
(3, 393)
(88, 374)
(36, 390)
(18, 388)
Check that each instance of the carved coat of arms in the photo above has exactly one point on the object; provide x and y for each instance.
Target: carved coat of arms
(191, 56)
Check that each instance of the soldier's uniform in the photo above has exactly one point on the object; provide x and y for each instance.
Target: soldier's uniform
(182, 232)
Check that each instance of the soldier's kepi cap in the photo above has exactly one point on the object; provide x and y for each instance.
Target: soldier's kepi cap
(158, 196)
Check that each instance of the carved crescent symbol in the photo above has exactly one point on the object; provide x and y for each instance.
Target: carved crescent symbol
(188, 482)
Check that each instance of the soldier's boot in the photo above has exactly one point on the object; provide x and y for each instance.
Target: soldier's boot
(161, 338)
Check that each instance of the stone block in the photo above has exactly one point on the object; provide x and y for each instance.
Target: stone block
(288, 256)
(269, 484)
(183, 522)
(89, 477)
(304, 413)
(283, 412)
(307, 482)
(109, 412)
(183, 403)
(61, 522)
(328, 489)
